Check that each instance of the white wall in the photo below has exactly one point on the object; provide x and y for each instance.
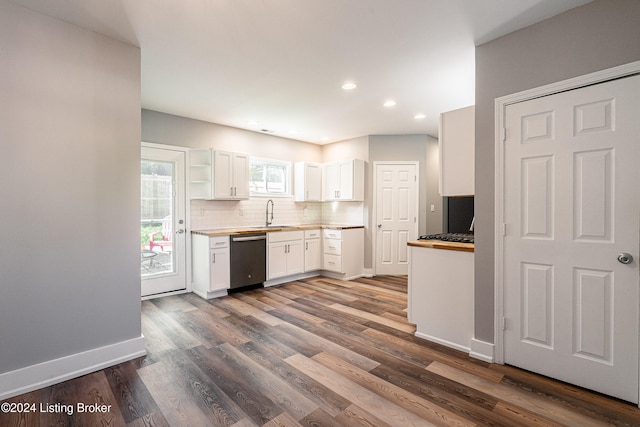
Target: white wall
(69, 167)
(596, 36)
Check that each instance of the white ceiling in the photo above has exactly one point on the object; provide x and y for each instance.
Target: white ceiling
(281, 63)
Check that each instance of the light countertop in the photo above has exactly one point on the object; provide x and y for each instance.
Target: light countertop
(264, 229)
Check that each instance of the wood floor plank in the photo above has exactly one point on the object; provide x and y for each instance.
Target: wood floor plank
(221, 370)
(356, 416)
(409, 401)
(132, 397)
(369, 401)
(420, 352)
(328, 346)
(243, 309)
(176, 406)
(178, 335)
(268, 383)
(313, 352)
(330, 402)
(513, 396)
(283, 420)
(154, 419)
(216, 330)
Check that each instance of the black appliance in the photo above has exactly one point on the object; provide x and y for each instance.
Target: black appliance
(248, 261)
(458, 214)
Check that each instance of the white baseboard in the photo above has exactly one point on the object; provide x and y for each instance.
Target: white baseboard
(293, 278)
(482, 350)
(210, 294)
(443, 342)
(44, 374)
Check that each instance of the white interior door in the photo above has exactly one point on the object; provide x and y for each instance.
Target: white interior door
(162, 220)
(396, 215)
(571, 206)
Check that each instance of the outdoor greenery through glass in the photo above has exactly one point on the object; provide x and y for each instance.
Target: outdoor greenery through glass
(269, 177)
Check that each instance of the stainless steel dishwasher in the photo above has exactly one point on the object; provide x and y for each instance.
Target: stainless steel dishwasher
(248, 260)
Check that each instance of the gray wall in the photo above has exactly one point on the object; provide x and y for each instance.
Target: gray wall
(596, 36)
(168, 129)
(69, 167)
(403, 148)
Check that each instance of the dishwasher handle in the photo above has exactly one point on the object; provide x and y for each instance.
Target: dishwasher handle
(247, 239)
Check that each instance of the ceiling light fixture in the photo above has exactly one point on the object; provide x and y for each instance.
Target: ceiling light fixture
(390, 103)
(349, 86)
(420, 116)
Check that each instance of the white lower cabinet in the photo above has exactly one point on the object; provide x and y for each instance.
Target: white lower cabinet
(211, 266)
(440, 299)
(312, 250)
(285, 255)
(343, 252)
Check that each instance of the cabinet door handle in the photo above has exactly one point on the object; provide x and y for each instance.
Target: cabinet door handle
(231, 191)
(213, 258)
(306, 246)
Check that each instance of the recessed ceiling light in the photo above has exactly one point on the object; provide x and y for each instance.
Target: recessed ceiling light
(325, 138)
(349, 86)
(419, 116)
(252, 123)
(390, 103)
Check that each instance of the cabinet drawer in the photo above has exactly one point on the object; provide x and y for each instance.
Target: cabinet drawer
(332, 246)
(332, 263)
(284, 236)
(219, 242)
(332, 234)
(312, 234)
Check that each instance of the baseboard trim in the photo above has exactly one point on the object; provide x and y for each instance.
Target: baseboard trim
(443, 342)
(293, 278)
(29, 378)
(482, 350)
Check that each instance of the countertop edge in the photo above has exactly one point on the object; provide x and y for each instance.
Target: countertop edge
(247, 230)
(437, 244)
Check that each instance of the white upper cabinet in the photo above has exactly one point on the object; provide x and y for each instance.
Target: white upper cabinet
(308, 182)
(230, 175)
(344, 180)
(219, 174)
(457, 152)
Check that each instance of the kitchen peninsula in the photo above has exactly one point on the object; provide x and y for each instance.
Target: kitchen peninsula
(440, 297)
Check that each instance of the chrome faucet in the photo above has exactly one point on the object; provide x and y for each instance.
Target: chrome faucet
(269, 220)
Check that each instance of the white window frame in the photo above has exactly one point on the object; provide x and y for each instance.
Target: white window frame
(288, 181)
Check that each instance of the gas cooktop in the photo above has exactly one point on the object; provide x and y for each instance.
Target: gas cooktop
(449, 237)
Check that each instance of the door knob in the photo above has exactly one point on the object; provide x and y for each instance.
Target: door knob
(379, 225)
(625, 258)
(179, 231)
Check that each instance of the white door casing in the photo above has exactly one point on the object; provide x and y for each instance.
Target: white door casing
(396, 214)
(176, 277)
(570, 207)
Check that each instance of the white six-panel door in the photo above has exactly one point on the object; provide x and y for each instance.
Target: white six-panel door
(396, 217)
(571, 206)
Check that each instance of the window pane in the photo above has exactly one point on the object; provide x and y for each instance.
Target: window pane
(269, 177)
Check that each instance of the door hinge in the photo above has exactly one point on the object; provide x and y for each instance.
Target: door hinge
(504, 229)
(504, 134)
(504, 323)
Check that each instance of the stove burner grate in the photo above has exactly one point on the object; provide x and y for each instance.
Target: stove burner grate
(450, 237)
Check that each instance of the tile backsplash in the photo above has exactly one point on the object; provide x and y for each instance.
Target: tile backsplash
(208, 214)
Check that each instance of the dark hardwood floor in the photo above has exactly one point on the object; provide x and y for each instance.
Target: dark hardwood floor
(318, 352)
